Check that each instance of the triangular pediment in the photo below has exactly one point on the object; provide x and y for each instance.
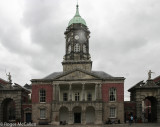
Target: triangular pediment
(76, 75)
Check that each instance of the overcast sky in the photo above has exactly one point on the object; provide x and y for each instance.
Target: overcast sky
(125, 37)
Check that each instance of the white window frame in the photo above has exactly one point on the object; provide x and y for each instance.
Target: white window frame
(84, 48)
(42, 113)
(77, 96)
(66, 96)
(112, 113)
(42, 96)
(77, 47)
(112, 94)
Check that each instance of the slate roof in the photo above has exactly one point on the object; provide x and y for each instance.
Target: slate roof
(100, 74)
(149, 84)
(53, 75)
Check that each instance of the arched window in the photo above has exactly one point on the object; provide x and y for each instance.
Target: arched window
(77, 48)
(69, 49)
(42, 95)
(84, 48)
(112, 94)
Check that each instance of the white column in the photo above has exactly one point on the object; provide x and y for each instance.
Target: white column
(96, 91)
(83, 94)
(57, 92)
(54, 92)
(70, 92)
(100, 91)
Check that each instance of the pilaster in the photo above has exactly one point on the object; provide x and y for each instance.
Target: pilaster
(70, 117)
(70, 92)
(83, 117)
(139, 109)
(83, 94)
(158, 110)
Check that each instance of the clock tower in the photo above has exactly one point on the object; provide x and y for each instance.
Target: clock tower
(77, 45)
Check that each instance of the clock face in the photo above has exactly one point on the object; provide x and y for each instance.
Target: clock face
(76, 37)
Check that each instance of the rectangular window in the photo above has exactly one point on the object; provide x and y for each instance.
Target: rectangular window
(65, 97)
(42, 95)
(42, 113)
(77, 96)
(113, 112)
(89, 97)
(112, 94)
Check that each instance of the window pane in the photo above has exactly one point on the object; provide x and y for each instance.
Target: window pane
(42, 113)
(89, 96)
(112, 112)
(112, 94)
(42, 95)
(65, 97)
(77, 96)
(77, 48)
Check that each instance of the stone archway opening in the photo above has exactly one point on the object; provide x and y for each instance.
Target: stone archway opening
(150, 109)
(90, 115)
(77, 114)
(63, 115)
(8, 110)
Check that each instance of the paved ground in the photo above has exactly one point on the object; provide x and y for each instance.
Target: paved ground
(111, 125)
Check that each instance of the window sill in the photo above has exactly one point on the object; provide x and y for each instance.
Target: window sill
(42, 102)
(112, 101)
(42, 118)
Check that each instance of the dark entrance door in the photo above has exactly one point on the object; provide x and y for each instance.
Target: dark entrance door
(28, 117)
(8, 110)
(77, 117)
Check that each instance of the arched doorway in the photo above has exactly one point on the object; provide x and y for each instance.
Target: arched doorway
(150, 109)
(63, 114)
(77, 114)
(90, 115)
(8, 110)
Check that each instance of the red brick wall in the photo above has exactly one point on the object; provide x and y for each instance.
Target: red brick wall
(119, 89)
(24, 106)
(157, 79)
(35, 92)
(3, 82)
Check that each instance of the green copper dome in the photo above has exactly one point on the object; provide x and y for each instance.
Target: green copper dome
(77, 18)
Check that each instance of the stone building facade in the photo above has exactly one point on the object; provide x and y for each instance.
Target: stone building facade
(77, 94)
(14, 102)
(146, 95)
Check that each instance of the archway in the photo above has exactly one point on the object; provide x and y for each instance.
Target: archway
(77, 114)
(63, 114)
(90, 115)
(8, 110)
(150, 109)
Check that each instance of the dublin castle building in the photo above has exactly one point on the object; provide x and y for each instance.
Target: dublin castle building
(77, 94)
